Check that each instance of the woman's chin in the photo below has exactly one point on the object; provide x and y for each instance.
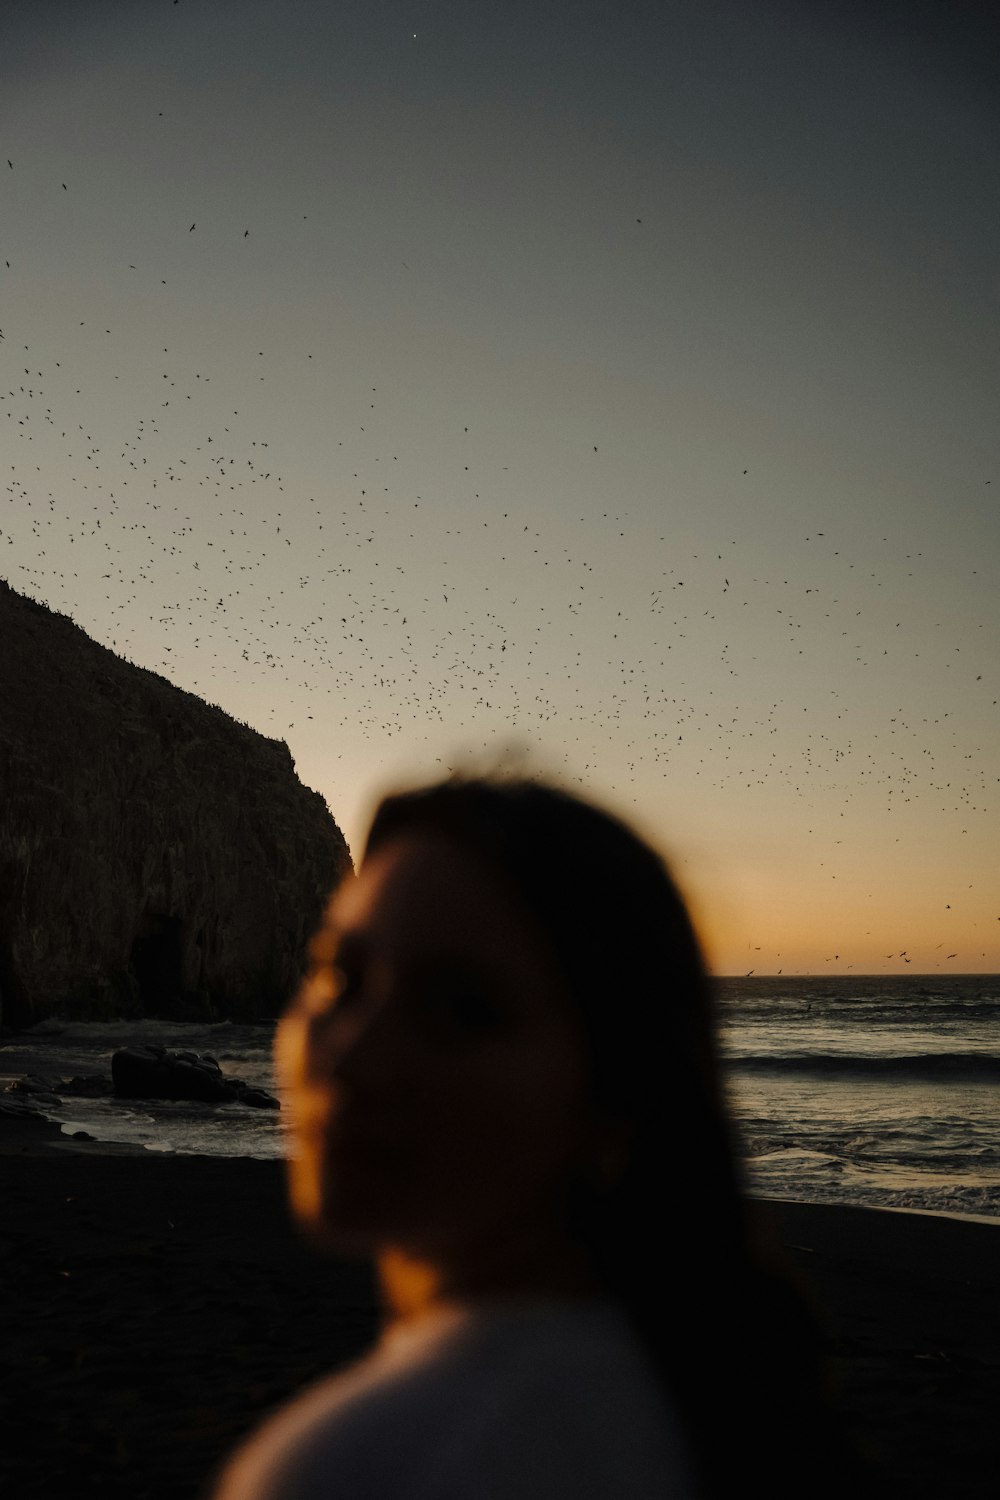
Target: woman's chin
(331, 1216)
(338, 1240)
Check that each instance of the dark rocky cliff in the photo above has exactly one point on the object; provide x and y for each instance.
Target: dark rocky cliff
(157, 858)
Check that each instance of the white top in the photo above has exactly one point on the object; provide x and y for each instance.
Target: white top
(504, 1401)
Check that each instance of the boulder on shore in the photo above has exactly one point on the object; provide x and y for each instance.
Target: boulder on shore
(155, 1073)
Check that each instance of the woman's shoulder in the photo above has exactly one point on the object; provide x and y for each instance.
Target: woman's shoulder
(502, 1401)
(333, 1439)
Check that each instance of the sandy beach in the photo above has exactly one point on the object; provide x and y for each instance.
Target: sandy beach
(156, 1306)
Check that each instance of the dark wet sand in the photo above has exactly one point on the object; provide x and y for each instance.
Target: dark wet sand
(155, 1307)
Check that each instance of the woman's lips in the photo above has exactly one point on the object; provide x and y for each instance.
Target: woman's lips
(341, 1128)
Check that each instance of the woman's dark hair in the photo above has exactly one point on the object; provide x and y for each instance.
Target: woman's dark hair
(669, 1237)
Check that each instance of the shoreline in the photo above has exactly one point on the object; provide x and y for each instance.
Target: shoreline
(154, 1314)
(30, 1134)
(879, 1208)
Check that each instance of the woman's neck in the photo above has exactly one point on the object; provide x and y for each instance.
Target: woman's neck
(416, 1282)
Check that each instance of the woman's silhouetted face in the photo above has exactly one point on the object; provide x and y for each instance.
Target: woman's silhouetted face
(440, 1089)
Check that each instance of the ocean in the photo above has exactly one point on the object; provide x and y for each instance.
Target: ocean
(880, 1091)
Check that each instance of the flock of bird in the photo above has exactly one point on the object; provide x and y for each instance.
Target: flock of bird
(167, 513)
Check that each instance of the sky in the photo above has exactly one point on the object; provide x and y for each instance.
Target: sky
(602, 391)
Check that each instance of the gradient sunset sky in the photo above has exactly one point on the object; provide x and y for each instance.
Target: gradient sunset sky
(608, 389)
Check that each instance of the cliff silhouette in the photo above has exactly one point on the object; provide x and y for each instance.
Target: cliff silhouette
(157, 858)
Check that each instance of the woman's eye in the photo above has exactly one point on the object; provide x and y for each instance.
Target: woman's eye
(346, 984)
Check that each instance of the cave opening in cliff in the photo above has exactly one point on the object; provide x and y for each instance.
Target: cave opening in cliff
(156, 959)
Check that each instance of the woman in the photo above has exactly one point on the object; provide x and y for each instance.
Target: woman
(504, 1088)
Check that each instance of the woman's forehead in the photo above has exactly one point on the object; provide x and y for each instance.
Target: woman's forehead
(423, 894)
(425, 881)
(423, 907)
